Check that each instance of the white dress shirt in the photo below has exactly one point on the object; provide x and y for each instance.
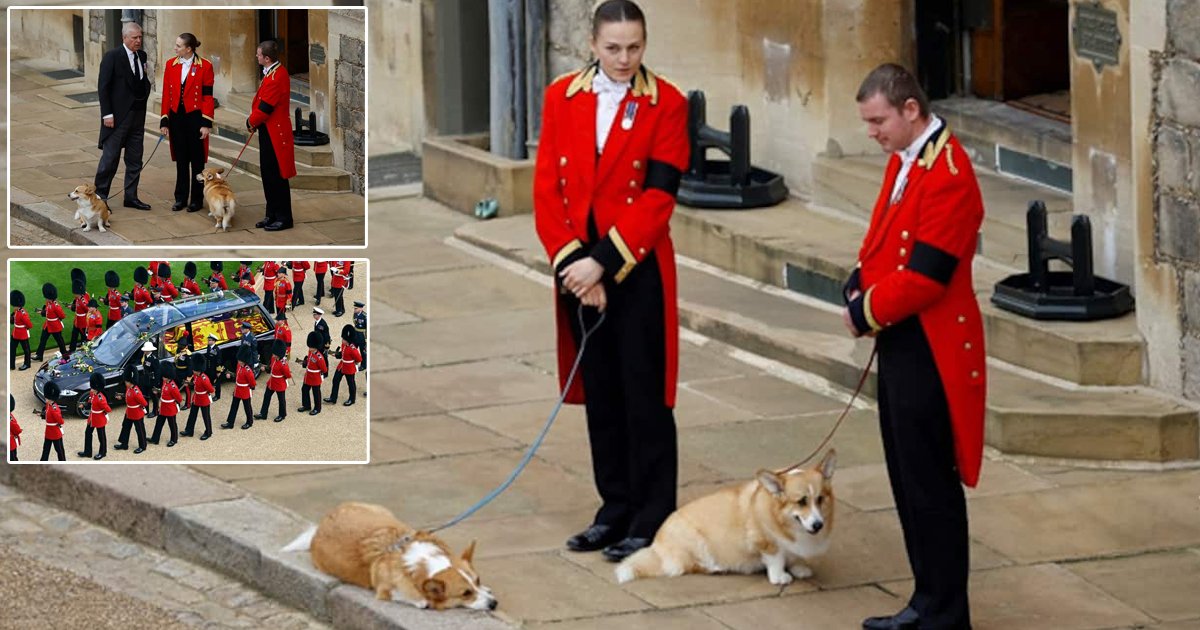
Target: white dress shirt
(269, 68)
(909, 155)
(609, 95)
(186, 65)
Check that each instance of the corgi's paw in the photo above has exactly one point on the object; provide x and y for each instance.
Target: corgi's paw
(422, 604)
(102, 228)
(624, 574)
(800, 571)
(87, 227)
(779, 578)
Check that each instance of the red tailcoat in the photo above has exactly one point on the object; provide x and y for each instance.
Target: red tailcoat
(630, 190)
(54, 421)
(270, 106)
(197, 94)
(98, 412)
(21, 324)
(916, 260)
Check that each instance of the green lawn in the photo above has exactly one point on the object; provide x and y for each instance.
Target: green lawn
(28, 277)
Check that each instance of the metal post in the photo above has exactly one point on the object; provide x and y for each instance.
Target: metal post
(506, 22)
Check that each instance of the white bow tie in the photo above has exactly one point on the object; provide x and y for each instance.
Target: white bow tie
(604, 85)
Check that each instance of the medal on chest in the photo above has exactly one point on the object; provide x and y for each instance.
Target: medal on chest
(627, 117)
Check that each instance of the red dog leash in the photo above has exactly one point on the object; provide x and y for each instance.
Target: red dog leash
(239, 155)
(850, 403)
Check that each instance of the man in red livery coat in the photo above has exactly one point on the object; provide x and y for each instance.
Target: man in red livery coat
(79, 306)
(912, 290)
(113, 298)
(135, 414)
(187, 118)
(14, 430)
(281, 373)
(21, 325)
(243, 384)
(98, 410)
(202, 391)
(348, 358)
(315, 370)
(613, 147)
(283, 332)
(54, 424)
(95, 323)
(276, 147)
(53, 326)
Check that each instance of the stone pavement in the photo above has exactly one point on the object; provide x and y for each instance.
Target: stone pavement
(54, 150)
(59, 571)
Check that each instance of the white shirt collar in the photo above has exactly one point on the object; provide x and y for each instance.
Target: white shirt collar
(128, 53)
(910, 152)
(602, 84)
(269, 68)
(188, 59)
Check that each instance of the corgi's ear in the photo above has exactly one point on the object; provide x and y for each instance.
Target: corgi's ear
(469, 552)
(828, 463)
(771, 482)
(220, 169)
(89, 189)
(433, 589)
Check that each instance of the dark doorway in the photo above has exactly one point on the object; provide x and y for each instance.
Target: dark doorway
(288, 27)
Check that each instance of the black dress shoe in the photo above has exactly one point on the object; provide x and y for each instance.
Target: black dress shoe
(348, 403)
(904, 620)
(178, 205)
(99, 456)
(170, 443)
(23, 368)
(279, 418)
(329, 399)
(153, 441)
(139, 450)
(303, 409)
(617, 552)
(247, 425)
(227, 425)
(137, 204)
(195, 208)
(205, 436)
(339, 313)
(186, 434)
(120, 447)
(314, 412)
(277, 226)
(596, 537)
(84, 454)
(263, 223)
(260, 416)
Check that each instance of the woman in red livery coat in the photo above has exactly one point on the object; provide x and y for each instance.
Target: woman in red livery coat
(187, 118)
(913, 291)
(276, 147)
(613, 147)
(54, 424)
(21, 325)
(97, 417)
(202, 391)
(281, 372)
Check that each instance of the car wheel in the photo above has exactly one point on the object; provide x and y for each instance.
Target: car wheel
(81, 407)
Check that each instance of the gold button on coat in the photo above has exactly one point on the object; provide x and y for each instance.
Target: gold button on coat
(903, 252)
(562, 161)
(903, 235)
(629, 200)
(637, 165)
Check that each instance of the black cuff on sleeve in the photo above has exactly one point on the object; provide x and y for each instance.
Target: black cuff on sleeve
(204, 122)
(206, 90)
(162, 122)
(851, 285)
(857, 316)
(606, 253)
(929, 261)
(572, 257)
(266, 107)
(662, 176)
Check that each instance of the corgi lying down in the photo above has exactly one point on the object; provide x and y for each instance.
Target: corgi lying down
(365, 545)
(774, 521)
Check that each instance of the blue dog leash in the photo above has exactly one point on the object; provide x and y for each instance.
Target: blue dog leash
(587, 332)
(161, 136)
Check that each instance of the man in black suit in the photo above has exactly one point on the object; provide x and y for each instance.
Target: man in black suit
(123, 89)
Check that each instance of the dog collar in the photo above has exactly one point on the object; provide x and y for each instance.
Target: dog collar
(400, 543)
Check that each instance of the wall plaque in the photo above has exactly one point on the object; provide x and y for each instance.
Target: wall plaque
(1096, 34)
(316, 54)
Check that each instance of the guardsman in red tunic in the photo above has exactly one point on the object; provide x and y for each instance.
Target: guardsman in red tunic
(21, 325)
(283, 292)
(913, 291)
(276, 147)
(97, 406)
(54, 424)
(142, 299)
(113, 298)
(283, 332)
(202, 391)
(79, 306)
(166, 289)
(170, 399)
(14, 430)
(95, 323)
(348, 357)
(281, 373)
(341, 279)
(189, 288)
(243, 384)
(217, 276)
(53, 326)
(154, 279)
(613, 147)
(135, 414)
(315, 370)
(270, 269)
(320, 268)
(299, 272)
(187, 118)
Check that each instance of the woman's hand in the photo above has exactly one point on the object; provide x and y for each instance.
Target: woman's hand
(163, 130)
(580, 276)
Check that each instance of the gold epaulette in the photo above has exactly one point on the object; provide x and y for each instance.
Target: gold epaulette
(933, 148)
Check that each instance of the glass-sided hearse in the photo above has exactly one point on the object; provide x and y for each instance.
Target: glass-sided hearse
(218, 315)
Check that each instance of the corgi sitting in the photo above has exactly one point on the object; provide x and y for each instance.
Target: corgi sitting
(92, 210)
(218, 196)
(774, 521)
(366, 545)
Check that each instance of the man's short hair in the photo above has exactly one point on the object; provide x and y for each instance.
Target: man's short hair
(270, 49)
(896, 84)
(129, 27)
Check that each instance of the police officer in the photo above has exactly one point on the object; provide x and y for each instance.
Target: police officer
(53, 326)
(21, 325)
(360, 325)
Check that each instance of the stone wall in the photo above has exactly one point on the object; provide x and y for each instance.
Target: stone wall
(350, 85)
(45, 34)
(395, 53)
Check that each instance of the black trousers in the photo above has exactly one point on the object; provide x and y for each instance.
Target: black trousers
(631, 430)
(316, 397)
(158, 427)
(77, 335)
(339, 304)
(188, 148)
(266, 404)
(58, 450)
(12, 352)
(137, 425)
(87, 441)
(918, 444)
(245, 403)
(337, 378)
(298, 293)
(12, 455)
(62, 346)
(127, 136)
(275, 188)
(269, 299)
(320, 286)
(191, 421)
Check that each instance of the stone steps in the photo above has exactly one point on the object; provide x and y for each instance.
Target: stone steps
(1026, 414)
